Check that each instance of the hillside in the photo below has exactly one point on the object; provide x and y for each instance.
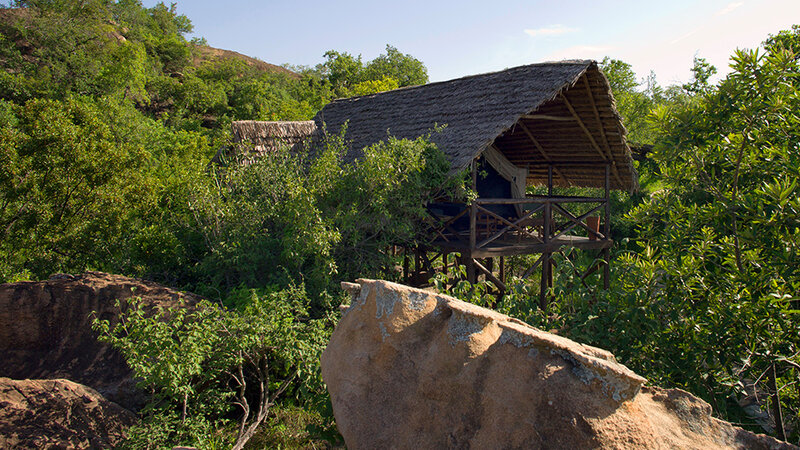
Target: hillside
(204, 53)
(10, 17)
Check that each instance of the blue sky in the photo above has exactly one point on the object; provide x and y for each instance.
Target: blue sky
(458, 38)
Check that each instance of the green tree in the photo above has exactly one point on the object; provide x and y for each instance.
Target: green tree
(407, 70)
(634, 100)
(62, 175)
(702, 70)
(345, 72)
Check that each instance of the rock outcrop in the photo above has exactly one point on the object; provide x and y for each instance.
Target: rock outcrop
(408, 368)
(58, 414)
(46, 332)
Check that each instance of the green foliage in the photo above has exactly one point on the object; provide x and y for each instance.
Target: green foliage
(702, 70)
(202, 360)
(634, 100)
(407, 70)
(374, 86)
(108, 124)
(378, 201)
(785, 40)
(261, 225)
(60, 167)
(289, 215)
(108, 119)
(346, 72)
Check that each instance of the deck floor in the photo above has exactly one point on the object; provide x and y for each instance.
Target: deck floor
(501, 247)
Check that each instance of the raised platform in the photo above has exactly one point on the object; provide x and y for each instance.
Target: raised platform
(501, 247)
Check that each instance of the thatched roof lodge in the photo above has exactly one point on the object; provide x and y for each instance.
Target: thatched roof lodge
(559, 114)
(551, 124)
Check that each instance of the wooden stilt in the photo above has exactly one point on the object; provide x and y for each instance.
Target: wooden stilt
(607, 269)
(406, 275)
(445, 262)
(471, 275)
(544, 281)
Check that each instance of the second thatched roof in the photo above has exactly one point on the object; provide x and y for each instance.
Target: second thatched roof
(252, 138)
(551, 114)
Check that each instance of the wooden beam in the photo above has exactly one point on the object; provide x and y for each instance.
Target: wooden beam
(548, 117)
(602, 130)
(583, 127)
(541, 151)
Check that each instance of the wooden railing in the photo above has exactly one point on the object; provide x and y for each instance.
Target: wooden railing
(537, 220)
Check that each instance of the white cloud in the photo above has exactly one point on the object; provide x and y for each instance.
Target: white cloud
(729, 8)
(552, 30)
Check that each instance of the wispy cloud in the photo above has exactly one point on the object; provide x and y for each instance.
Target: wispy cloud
(552, 30)
(683, 36)
(729, 8)
(579, 51)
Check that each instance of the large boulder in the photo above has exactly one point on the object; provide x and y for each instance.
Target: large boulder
(46, 330)
(407, 368)
(58, 414)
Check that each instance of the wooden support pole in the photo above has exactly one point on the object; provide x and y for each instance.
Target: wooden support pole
(607, 269)
(474, 169)
(607, 224)
(549, 180)
(470, 263)
(406, 264)
(417, 261)
(490, 276)
(473, 229)
(544, 281)
(473, 209)
(445, 267)
(548, 217)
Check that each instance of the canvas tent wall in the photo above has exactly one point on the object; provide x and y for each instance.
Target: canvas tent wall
(560, 115)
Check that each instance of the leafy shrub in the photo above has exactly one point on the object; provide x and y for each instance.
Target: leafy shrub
(201, 361)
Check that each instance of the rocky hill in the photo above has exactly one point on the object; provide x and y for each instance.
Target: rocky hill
(203, 53)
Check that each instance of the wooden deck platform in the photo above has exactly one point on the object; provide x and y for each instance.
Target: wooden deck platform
(501, 247)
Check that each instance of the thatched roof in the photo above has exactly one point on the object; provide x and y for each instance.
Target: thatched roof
(251, 138)
(552, 113)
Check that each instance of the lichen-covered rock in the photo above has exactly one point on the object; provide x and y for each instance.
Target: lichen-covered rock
(58, 414)
(408, 368)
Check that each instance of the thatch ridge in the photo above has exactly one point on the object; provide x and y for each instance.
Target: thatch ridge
(480, 110)
(261, 132)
